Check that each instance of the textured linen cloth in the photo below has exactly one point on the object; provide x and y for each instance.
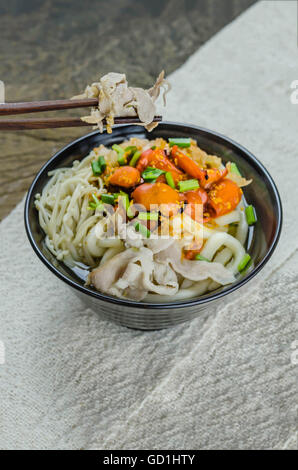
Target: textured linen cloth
(225, 380)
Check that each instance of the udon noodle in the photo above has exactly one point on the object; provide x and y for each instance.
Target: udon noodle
(152, 220)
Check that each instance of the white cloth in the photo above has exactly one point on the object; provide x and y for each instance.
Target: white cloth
(225, 380)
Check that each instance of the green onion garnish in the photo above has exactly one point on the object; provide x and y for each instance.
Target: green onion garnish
(135, 158)
(234, 169)
(99, 166)
(124, 200)
(102, 162)
(92, 206)
(188, 185)
(96, 168)
(130, 212)
(170, 180)
(151, 174)
(121, 154)
(95, 199)
(153, 147)
(180, 142)
(118, 149)
(148, 216)
(96, 204)
(121, 161)
(250, 215)
(244, 262)
(142, 229)
(108, 198)
(130, 149)
(199, 257)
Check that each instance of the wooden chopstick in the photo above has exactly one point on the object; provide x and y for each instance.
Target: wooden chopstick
(51, 123)
(38, 106)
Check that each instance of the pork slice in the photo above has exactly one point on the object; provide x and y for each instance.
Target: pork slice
(158, 244)
(103, 277)
(144, 105)
(194, 270)
(143, 275)
(155, 90)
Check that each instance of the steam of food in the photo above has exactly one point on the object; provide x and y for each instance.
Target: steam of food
(116, 98)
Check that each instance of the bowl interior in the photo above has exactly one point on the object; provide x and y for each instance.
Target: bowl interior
(262, 194)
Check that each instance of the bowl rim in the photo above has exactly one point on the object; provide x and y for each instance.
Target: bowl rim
(160, 305)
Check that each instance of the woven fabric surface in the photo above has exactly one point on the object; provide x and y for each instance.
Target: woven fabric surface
(225, 380)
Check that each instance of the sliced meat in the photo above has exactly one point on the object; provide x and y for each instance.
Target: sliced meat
(103, 277)
(116, 98)
(132, 274)
(194, 270)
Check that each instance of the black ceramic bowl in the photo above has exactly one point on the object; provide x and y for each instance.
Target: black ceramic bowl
(262, 193)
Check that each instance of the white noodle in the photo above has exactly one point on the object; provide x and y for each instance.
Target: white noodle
(242, 229)
(217, 241)
(199, 288)
(76, 234)
(229, 218)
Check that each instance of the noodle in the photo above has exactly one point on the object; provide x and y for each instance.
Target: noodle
(84, 213)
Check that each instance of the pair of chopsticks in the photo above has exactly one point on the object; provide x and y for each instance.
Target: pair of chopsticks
(7, 109)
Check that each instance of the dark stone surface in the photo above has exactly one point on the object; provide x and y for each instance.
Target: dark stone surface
(52, 49)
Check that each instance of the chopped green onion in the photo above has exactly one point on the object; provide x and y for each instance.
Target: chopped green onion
(180, 142)
(96, 168)
(121, 154)
(121, 161)
(199, 257)
(99, 166)
(124, 199)
(102, 162)
(188, 185)
(148, 216)
(234, 169)
(92, 206)
(250, 215)
(244, 262)
(96, 204)
(95, 199)
(118, 149)
(130, 149)
(170, 180)
(135, 158)
(151, 174)
(130, 212)
(142, 229)
(153, 147)
(108, 198)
